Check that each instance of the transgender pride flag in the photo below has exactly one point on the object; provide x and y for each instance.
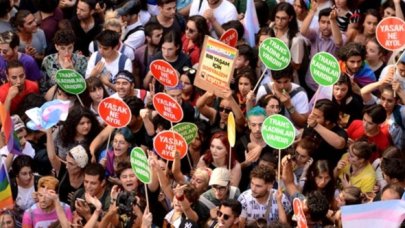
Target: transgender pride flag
(386, 214)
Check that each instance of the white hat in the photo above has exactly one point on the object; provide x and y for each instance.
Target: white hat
(79, 154)
(220, 176)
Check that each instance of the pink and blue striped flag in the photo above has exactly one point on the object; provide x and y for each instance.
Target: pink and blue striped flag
(48, 115)
(250, 22)
(387, 214)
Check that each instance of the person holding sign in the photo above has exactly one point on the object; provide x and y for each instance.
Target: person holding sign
(328, 38)
(323, 127)
(293, 96)
(13, 92)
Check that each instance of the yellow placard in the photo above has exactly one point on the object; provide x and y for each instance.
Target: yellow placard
(231, 129)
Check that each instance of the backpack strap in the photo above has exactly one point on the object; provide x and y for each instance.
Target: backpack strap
(121, 62)
(137, 28)
(296, 91)
(142, 94)
(207, 202)
(95, 45)
(398, 117)
(232, 192)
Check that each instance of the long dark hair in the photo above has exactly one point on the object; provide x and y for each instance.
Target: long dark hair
(202, 29)
(315, 170)
(344, 79)
(68, 132)
(292, 25)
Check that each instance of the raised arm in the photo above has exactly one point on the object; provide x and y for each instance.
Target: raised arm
(305, 30)
(336, 34)
(204, 109)
(51, 151)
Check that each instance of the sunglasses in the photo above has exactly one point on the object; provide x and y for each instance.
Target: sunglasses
(225, 216)
(226, 110)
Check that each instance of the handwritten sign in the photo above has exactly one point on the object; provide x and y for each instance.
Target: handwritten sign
(278, 131)
(274, 54)
(166, 142)
(230, 37)
(390, 33)
(216, 66)
(114, 112)
(140, 165)
(70, 81)
(187, 130)
(164, 73)
(167, 107)
(324, 69)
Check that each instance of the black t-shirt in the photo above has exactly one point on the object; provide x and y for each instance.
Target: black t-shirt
(353, 108)
(64, 185)
(83, 38)
(326, 151)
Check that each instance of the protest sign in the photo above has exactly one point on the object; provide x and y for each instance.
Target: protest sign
(167, 107)
(231, 129)
(278, 132)
(70, 81)
(164, 73)
(324, 69)
(114, 112)
(390, 33)
(216, 67)
(274, 53)
(230, 37)
(140, 165)
(187, 130)
(166, 142)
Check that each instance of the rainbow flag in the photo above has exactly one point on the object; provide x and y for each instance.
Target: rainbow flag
(387, 214)
(6, 198)
(13, 144)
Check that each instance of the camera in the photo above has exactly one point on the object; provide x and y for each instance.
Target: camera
(125, 201)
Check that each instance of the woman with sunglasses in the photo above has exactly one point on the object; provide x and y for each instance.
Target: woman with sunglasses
(190, 93)
(193, 39)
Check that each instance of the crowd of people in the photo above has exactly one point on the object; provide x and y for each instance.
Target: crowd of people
(349, 148)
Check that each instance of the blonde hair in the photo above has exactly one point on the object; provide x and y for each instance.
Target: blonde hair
(112, 22)
(204, 173)
(48, 182)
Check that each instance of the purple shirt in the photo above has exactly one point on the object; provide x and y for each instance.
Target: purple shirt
(31, 68)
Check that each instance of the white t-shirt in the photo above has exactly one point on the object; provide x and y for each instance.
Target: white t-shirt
(127, 51)
(253, 210)
(137, 38)
(225, 12)
(24, 198)
(299, 101)
(28, 150)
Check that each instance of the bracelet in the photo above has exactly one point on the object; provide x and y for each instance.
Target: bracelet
(180, 198)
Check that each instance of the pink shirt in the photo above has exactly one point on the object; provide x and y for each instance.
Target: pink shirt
(35, 217)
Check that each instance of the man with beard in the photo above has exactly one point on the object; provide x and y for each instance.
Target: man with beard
(85, 25)
(251, 145)
(153, 35)
(328, 38)
(261, 200)
(48, 209)
(13, 92)
(217, 13)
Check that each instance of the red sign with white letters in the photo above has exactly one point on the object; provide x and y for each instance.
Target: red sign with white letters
(168, 107)
(166, 142)
(230, 37)
(390, 33)
(164, 73)
(114, 112)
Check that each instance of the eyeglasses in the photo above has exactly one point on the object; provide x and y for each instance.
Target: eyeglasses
(225, 216)
(226, 110)
(190, 30)
(219, 188)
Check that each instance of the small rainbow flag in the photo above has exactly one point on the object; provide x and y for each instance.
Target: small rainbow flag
(6, 198)
(13, 144)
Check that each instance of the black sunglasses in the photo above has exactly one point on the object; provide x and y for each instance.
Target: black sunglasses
(225, 216)
(222, 109)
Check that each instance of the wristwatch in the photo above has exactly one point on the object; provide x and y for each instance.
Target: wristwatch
(291, 109)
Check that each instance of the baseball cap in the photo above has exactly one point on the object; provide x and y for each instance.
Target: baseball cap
(220, 176)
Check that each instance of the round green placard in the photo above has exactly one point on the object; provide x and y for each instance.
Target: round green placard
(187, 130)
(324, 69)
(140, 165)
(274, 53)
(70, 81)
(278, 131)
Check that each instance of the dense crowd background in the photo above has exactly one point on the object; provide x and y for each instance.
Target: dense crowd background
(349, 145)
